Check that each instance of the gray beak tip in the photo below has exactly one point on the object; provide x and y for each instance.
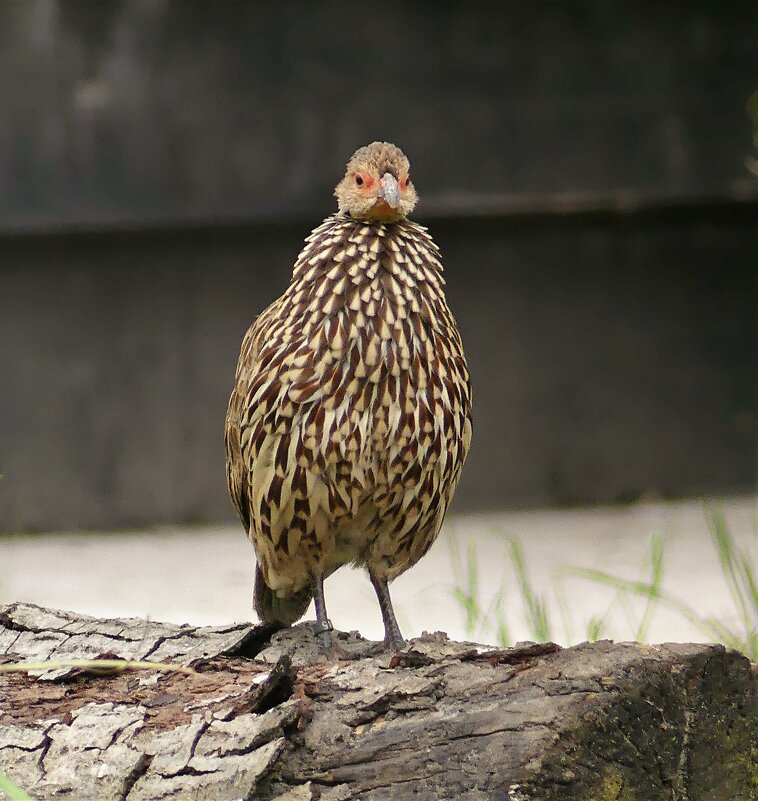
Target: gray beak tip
(390, 190)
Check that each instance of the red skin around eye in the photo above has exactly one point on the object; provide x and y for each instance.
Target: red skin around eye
(368, 181)
(403, 183)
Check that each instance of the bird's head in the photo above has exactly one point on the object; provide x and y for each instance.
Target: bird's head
(377, 184)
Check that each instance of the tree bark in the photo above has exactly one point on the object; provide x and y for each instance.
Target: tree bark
(269, 715)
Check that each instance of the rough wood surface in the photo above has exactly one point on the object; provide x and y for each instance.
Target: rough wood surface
(268, 715)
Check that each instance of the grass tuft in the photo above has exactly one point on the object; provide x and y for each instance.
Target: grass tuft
(737, 569)
(482, 622)
(536, 609)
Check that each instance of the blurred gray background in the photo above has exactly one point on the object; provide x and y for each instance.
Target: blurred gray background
(581, 164)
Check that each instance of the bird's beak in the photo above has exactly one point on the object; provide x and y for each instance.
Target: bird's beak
(389, 190)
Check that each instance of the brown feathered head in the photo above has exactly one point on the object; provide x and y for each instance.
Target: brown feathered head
(377, 184)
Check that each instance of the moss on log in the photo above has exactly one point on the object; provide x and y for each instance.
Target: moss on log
(269, 716)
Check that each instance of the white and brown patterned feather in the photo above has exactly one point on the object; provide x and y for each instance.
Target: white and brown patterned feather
(350, 418)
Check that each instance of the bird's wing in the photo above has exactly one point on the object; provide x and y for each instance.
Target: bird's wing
(237, 414)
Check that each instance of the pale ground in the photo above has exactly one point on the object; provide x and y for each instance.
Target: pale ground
(203, 575)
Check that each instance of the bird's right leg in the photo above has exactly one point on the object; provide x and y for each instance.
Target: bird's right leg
(392, 636)
(325, 626)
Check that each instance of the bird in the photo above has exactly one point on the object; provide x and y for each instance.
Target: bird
(350, 417)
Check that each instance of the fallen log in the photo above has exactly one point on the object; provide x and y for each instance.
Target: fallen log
(268, 715)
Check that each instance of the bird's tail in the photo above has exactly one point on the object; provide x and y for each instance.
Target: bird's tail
(272, 609)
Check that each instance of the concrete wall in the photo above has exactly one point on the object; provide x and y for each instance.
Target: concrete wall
(126, 112)
(610, 358)
(581, 167)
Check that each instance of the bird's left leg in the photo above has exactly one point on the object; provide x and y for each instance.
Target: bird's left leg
(325, 626)
(392, 635)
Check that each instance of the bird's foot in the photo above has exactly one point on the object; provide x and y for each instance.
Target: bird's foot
(394, 642)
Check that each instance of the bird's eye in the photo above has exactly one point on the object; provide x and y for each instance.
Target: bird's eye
(359, 180)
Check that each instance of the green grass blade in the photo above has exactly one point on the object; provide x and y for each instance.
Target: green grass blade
(502, 630)
(466, 589)
(727, 556)
(600, 577)
(12, 790)
(751, 582)
(493, 618)
(656, 577)
(536, 609)
(595, 628)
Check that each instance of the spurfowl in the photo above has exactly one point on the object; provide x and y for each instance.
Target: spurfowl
(350, 417)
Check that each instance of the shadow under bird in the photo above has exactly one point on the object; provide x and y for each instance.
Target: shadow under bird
(350, 417)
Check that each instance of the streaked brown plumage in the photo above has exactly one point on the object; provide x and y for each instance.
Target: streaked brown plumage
(350, 417)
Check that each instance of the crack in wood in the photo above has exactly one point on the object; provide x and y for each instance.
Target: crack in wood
(45, 748)
(137, 772)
